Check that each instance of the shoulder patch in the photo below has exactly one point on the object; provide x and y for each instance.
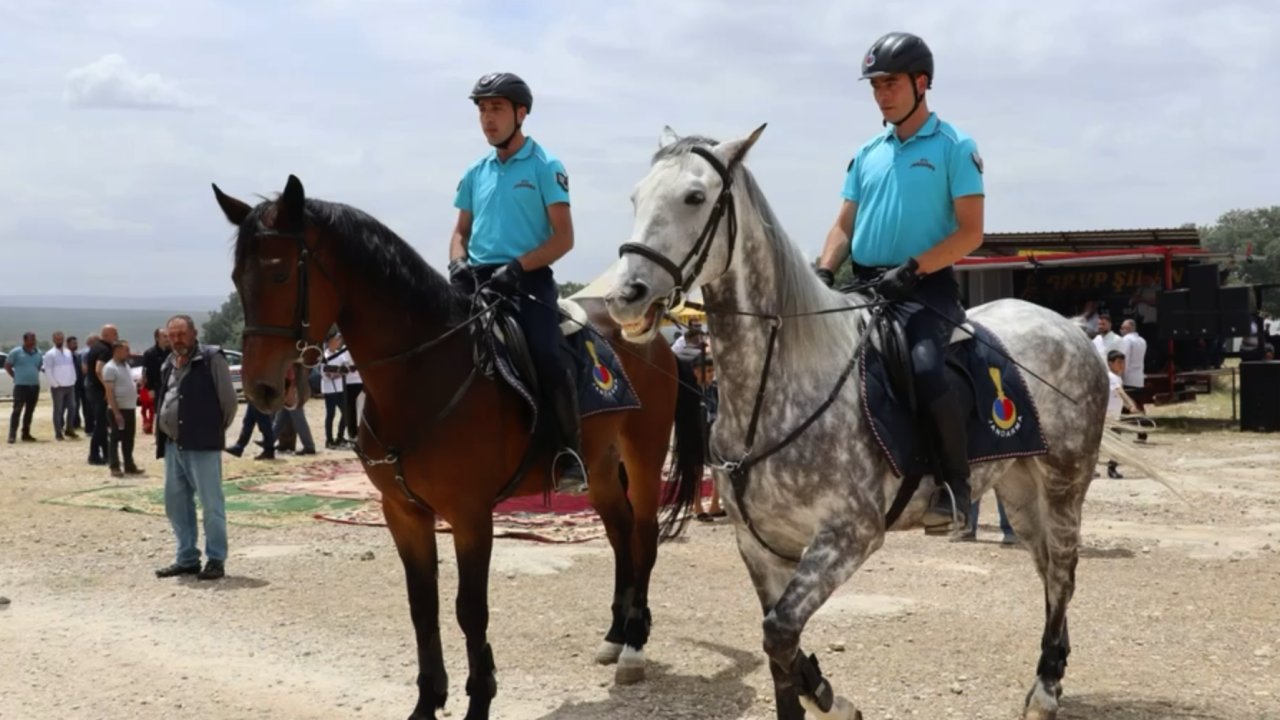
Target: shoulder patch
(977, 160)
(851, 161)
(562, 180)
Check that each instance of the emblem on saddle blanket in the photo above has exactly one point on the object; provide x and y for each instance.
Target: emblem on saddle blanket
(603, 386)
(1005, 423)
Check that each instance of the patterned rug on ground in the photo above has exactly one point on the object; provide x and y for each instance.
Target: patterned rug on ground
(568, 519)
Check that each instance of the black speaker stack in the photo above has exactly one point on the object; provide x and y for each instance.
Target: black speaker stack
(1203, 309)
(1260, 396)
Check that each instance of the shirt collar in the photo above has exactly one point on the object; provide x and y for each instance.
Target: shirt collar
(524, 152)
(929, 127)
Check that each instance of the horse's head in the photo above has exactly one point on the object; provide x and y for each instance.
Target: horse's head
(684, 232)
(289, 299)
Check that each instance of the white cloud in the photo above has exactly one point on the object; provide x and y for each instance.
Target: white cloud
(109, 82)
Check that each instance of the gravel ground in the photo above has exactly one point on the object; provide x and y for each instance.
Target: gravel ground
(1176, 615)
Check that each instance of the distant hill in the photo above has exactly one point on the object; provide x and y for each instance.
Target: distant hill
(135, 325)
(76, 302)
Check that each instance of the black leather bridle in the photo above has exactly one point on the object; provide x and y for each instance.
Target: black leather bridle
(686, 272)
(300, 330)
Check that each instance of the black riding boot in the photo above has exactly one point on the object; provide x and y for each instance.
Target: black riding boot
(572, 477)
(950, 426)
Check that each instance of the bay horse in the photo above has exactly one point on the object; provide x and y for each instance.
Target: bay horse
(440, 440)
(814, 487)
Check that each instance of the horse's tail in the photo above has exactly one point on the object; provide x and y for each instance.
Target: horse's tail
(689, 456)
(1125, 453)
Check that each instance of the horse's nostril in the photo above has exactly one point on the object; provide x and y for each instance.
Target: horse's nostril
(634, 291)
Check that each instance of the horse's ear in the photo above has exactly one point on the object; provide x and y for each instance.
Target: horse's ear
(734, 151)
(291, 207)
(667, 137)
(235, 210)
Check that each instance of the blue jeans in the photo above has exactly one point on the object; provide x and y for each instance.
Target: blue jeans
(188, 473)
(1005, 527)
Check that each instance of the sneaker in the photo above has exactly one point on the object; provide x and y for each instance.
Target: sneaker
(175, 570)
(213, 570)
(29, 438)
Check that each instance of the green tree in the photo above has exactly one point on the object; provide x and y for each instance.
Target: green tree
(225, 326)
(569, 288)
(1256, 232)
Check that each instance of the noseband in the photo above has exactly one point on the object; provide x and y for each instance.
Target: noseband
(689, 268)
(300, 330)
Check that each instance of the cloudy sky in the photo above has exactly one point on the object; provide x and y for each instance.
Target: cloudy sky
(117, 115)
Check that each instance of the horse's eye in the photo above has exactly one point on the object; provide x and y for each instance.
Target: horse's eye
(695, 197)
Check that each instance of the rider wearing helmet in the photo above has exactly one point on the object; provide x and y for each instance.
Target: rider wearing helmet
(513, 223)
(913, 206)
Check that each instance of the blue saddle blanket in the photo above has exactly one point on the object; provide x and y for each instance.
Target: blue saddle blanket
(1004, 422)
(603, 385)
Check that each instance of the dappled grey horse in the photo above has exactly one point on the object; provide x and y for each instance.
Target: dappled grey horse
(813, 488)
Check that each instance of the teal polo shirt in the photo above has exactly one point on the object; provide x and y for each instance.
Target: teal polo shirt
(26, 365)
(508, 202)
(905, 191)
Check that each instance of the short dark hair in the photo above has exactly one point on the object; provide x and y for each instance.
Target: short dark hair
(1114, 355)
(71, 337)
(185, 318)
(28, 334)
(156, 334)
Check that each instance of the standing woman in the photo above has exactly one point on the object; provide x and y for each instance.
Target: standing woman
(353, 387)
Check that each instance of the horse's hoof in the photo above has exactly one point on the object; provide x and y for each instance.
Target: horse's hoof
(630, 667)
(1042, 704)
(608, 653)
(841, 709)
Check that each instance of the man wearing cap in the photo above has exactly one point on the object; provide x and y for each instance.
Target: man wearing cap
(913, 206)
(513, 223)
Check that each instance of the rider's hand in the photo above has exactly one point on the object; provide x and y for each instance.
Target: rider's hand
(461, 277)
(507, 279)
(898, 283)
(827, 277)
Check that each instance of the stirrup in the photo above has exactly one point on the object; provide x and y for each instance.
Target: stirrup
(573, 486)
(956, 521)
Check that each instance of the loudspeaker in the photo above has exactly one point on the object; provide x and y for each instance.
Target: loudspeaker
(1202, 323)
(1171, 314)
(1202, 280)
(1260, 396)
(1233, 307)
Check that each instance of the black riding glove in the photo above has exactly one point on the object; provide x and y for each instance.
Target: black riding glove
(461, 277)
(827, 277)
(507, 279)
(898, 283)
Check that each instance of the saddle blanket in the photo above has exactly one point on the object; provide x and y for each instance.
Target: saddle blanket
(603, 385)
(1004, 422)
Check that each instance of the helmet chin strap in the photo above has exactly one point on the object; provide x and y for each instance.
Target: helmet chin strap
(503, 145)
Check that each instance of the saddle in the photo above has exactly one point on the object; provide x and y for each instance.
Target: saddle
(502, 353)
(1003, 421)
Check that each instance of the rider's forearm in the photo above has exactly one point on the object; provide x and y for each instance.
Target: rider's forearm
(954, 247)
(556, 247)
(836, 250)
(457, 246)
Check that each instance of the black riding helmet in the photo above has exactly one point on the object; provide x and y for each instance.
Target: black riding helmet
(899, 52)
(504, 85)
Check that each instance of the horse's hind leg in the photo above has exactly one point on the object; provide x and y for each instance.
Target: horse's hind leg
(473, 541)
(1050, 528)
(414, 533)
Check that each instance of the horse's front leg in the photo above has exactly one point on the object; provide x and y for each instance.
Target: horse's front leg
(836, 551)
(414, 533)
(473, 540)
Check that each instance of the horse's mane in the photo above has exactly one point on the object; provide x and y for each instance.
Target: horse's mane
(796, 288)
(368, 248)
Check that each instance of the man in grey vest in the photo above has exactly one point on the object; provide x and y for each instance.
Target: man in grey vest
(197, 404)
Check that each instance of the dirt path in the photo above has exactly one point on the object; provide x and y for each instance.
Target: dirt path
(1177, 613)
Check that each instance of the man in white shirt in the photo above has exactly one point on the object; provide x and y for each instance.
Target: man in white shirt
(60, 368)
(1134, 347)
(1106, 340)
